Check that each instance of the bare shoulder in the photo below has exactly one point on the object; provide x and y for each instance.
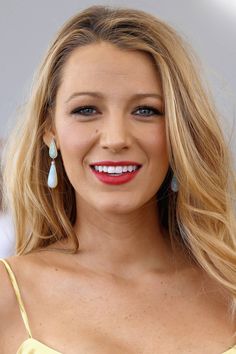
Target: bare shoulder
(12, 329)
(20, 266)
(7, 297)
(9, 309)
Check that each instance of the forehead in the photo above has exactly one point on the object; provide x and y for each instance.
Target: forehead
(105, 66)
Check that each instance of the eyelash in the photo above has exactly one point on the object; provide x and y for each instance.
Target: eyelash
(78, 110)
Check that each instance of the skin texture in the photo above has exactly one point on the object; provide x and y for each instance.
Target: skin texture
(124, 291)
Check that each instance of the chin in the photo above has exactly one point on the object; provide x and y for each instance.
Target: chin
(116, 207)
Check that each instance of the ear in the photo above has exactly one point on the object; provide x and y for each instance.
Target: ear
(48, 136)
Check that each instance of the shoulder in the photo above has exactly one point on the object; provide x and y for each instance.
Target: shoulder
(12, 329)
(22, 268)
(9, 308)
(7, 296)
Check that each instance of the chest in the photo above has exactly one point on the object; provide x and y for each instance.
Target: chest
(103, 317)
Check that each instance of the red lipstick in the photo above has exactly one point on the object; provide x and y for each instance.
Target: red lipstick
(113, 179)
(115, 163)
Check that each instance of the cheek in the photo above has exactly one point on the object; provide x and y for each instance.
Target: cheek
(155, 140)
(74, 140)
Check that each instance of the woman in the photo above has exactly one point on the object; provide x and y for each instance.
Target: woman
(128, 244)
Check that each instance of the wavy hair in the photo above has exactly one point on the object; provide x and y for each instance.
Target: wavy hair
(201, 215)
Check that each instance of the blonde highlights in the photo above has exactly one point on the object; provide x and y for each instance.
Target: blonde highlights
(201, 216)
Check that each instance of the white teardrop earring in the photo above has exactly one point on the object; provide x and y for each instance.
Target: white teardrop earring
(52, 175)
(174, 184)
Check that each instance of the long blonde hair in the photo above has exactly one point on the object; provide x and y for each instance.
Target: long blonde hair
(201, 215)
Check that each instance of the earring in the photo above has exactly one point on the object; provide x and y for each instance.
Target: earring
(174, 184)
(52, 176)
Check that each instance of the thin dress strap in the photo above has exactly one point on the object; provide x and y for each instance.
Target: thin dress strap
(18, 296)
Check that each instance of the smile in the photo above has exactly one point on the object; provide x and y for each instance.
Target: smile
(118, 174)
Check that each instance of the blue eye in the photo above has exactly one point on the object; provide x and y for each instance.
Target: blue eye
(148, 111)
(85, 110)
(144, 111)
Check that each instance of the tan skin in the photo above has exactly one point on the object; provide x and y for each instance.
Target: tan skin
(125, 291)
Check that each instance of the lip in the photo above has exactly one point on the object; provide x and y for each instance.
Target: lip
(115, 163)
(115, 180)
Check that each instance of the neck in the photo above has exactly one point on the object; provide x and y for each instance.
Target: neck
(124, 244)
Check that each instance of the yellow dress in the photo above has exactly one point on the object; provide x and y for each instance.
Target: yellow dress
(32, 345)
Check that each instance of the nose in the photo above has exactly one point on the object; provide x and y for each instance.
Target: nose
(115, 135)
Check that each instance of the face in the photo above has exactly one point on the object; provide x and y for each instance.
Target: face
(109, 109)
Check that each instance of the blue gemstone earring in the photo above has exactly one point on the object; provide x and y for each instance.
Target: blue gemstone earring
(52, 176)
(174, 184)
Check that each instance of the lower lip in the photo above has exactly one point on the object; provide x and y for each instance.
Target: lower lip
(124, 178)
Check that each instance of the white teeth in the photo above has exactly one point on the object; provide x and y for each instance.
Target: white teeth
(116, 169)
(111, 169)
(130, 168)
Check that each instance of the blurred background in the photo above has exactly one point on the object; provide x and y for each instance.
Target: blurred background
(28, 26)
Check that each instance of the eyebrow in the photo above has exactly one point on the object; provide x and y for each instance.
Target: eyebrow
(99, 95)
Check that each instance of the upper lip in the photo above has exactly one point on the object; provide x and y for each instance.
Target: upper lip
(115, 163)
